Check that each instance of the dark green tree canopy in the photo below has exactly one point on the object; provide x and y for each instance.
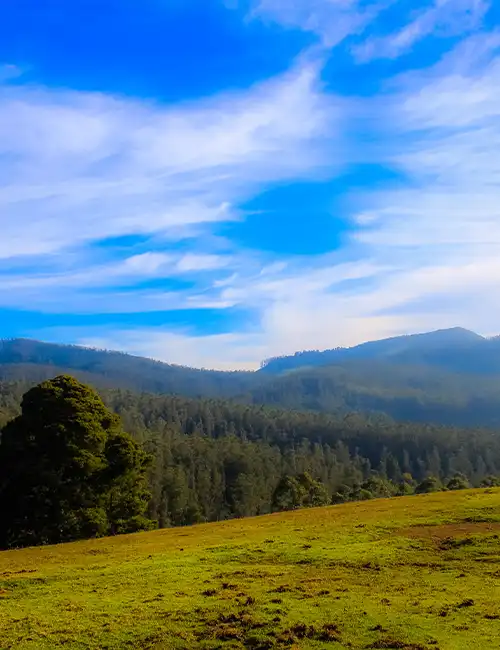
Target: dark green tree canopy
(214, 459)
(458, 482)
(429, 484)
(301, 491)
(67, 470)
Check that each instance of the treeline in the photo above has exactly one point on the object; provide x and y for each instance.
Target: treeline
(412, 393)
(213, 459)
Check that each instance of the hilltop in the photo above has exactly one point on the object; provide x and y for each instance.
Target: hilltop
(414, 573)
(455, 349)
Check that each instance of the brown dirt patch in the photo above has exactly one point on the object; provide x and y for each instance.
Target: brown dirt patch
(450, 530)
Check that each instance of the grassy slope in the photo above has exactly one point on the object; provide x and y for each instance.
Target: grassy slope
(416, 573)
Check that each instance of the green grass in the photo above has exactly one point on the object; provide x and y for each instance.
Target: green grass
(417, 573)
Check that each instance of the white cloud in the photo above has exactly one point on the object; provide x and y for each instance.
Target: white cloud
(335, 20)
(443, 230)
(81, 167)
(9, 71)
(192, 262)
(147, 263)
(331, 20)
(220, 351)
(443, 18)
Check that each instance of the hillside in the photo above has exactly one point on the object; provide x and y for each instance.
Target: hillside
(416, 393)
(416, 573)
(215, 459)
(456, 350)
(23, 358)
(400, 378)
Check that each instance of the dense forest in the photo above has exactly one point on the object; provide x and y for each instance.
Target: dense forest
(374, 385)
(213, 459)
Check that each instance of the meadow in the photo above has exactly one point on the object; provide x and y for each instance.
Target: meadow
(414, 573)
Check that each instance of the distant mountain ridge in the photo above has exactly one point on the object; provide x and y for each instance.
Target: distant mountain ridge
(476, 354)
(108, 368)
(449, 377)
(404, 349)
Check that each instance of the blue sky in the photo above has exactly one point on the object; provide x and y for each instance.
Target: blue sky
(213, 182)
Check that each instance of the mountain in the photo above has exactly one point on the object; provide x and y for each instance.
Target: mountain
(449, 377)
(24, 358)
(455, 349)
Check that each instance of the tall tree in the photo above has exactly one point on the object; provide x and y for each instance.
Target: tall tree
(67, 470)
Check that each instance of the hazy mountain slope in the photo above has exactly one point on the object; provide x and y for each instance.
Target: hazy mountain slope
(403, 392)
(401, 383)
(104, 368)
(452, 349)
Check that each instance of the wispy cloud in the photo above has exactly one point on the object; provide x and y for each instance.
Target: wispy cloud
(335, 20)
(220, 351)
(9, 71)
(444, 18)
(331, 20)
(83, 167)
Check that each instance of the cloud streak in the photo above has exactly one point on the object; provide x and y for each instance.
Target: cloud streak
(444, 18)
(83, 167)
(331, 20)
(334, 21)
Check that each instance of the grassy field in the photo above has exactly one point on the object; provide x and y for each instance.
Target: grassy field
(415, 573)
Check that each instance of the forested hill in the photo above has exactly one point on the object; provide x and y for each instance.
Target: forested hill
(402, 392)
(420, 392)
(35, 360)
(214, 459)
(456, 350)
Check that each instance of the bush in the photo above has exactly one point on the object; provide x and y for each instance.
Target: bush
(458, 482)
(429, 484)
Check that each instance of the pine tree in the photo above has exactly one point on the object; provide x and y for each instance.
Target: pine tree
(67, 470)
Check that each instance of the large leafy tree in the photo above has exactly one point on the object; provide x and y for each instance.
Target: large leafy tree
(67, 470)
